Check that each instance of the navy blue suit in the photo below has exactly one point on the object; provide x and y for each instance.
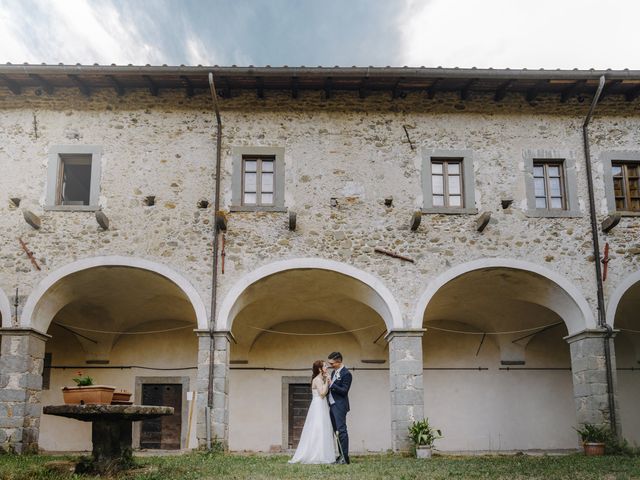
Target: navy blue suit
(339, 390)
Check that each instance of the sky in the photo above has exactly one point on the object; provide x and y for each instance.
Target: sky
(464, 33)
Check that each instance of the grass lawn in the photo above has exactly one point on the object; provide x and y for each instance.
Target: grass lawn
(218, 466)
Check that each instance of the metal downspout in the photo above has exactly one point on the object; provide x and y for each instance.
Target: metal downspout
(214, 276)
(602, 320)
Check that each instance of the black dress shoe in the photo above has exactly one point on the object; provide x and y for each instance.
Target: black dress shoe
(340, 461)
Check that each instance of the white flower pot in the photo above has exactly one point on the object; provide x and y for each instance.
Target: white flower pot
(424, 452)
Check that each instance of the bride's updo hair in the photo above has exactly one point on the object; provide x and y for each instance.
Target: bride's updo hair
(317, 368)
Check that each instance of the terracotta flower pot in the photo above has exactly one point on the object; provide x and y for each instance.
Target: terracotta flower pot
(89, 395)
(593, 449)
(121, 397)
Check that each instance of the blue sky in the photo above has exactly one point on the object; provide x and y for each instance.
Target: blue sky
(465, 33)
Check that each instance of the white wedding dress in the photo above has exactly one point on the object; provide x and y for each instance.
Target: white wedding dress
(316, 441)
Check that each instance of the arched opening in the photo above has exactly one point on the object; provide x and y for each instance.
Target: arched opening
(497, 368)
(622, 312)
(288, 315)
(123, 325)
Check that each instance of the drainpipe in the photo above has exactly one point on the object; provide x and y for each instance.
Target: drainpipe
(214, 276)
(602, 320)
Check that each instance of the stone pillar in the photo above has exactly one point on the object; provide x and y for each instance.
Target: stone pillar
(407, 394)
(202, 385)
(588, 367)
(221, 360)
(21, 363)
(219, 412)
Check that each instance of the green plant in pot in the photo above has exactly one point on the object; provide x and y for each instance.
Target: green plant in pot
(594, 438)
(423, 437)
(86, 392)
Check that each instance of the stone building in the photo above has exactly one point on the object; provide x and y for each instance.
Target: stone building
(485, 313)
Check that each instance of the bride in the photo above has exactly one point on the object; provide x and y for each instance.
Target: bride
(316, 441)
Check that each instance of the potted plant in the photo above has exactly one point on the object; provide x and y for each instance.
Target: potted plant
(121, 397)
(594, 438)
(423, 436)
(86, 392)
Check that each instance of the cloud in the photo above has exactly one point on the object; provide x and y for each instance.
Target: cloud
(515, 34)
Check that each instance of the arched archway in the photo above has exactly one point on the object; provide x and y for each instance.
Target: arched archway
(5, 310)
(623, 310)
(126, 322)
(37, 313)
(498, 372)
(287, 314)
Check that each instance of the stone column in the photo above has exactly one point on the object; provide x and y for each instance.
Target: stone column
(202, 385)
(588, 367)
(220, 413)
(21, 363)
(407, 394)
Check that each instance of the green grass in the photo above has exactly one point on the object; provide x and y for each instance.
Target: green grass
(219, 466)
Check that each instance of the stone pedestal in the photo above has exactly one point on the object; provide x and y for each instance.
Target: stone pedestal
(407, 393)
(111, 427)
(588, 366)
(21, 363)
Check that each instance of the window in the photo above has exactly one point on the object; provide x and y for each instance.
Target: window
(448, 182)
(548, 182)
(626, 185)
(73, 178)
(258, 179)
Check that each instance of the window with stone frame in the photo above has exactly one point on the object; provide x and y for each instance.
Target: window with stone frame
(549, 185)
(446, 182)
(73, 178)
(626, 185)
(258, 180)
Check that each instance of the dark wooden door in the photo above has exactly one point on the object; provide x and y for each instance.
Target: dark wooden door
(164, 432)
(299, 401)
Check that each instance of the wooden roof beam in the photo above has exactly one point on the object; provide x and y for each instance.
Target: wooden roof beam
(117, 85)
(397, 91)
(465, 91)
(84, 88)
(44, 84)
(501, 91)
(574, 89)
(328, 87)
(260, 87)
(632, 94)
(188, 85)
(11, 84)
(433, 88)
(533, 92)
(153, 86)
(294, 87)
(363, 88)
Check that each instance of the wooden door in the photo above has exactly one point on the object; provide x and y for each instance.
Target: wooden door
(164, 432)
(299, 401)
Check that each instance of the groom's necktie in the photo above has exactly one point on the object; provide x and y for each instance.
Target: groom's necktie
(331, 400)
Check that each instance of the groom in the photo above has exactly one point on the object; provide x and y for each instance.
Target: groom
(339, 403)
